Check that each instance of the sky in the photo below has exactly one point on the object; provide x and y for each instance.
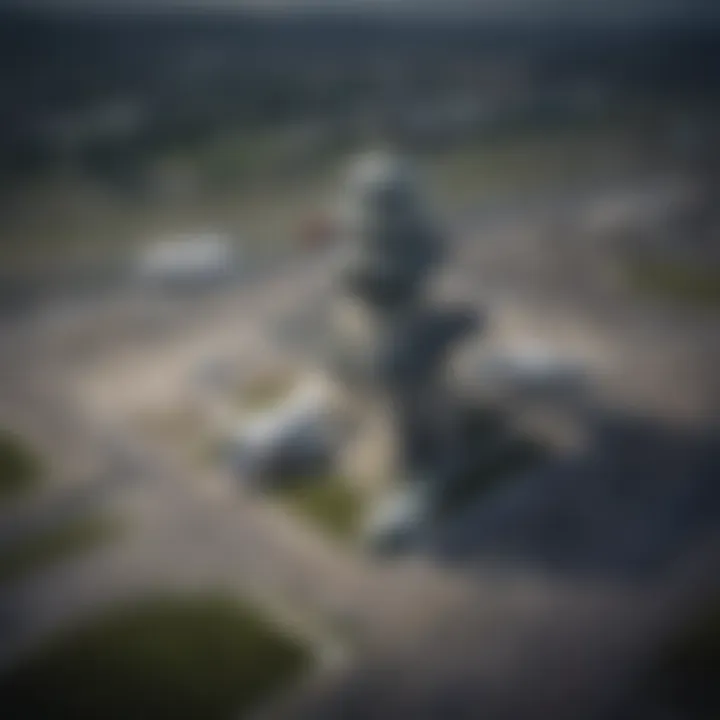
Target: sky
(491, 9)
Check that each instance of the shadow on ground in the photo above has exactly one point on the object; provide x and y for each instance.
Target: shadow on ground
(630, 506)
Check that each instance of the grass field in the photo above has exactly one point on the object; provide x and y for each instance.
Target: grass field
(528, 161)
(49, 547)
(330, 503)
(19, 468)
(690, 284)
(172, 658)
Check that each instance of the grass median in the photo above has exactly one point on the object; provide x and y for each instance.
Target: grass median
(19, 468)
(51, 546)
(330, 503)
(694, 284)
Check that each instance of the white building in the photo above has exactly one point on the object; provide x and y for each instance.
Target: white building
(187, 260)
(301, 435)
